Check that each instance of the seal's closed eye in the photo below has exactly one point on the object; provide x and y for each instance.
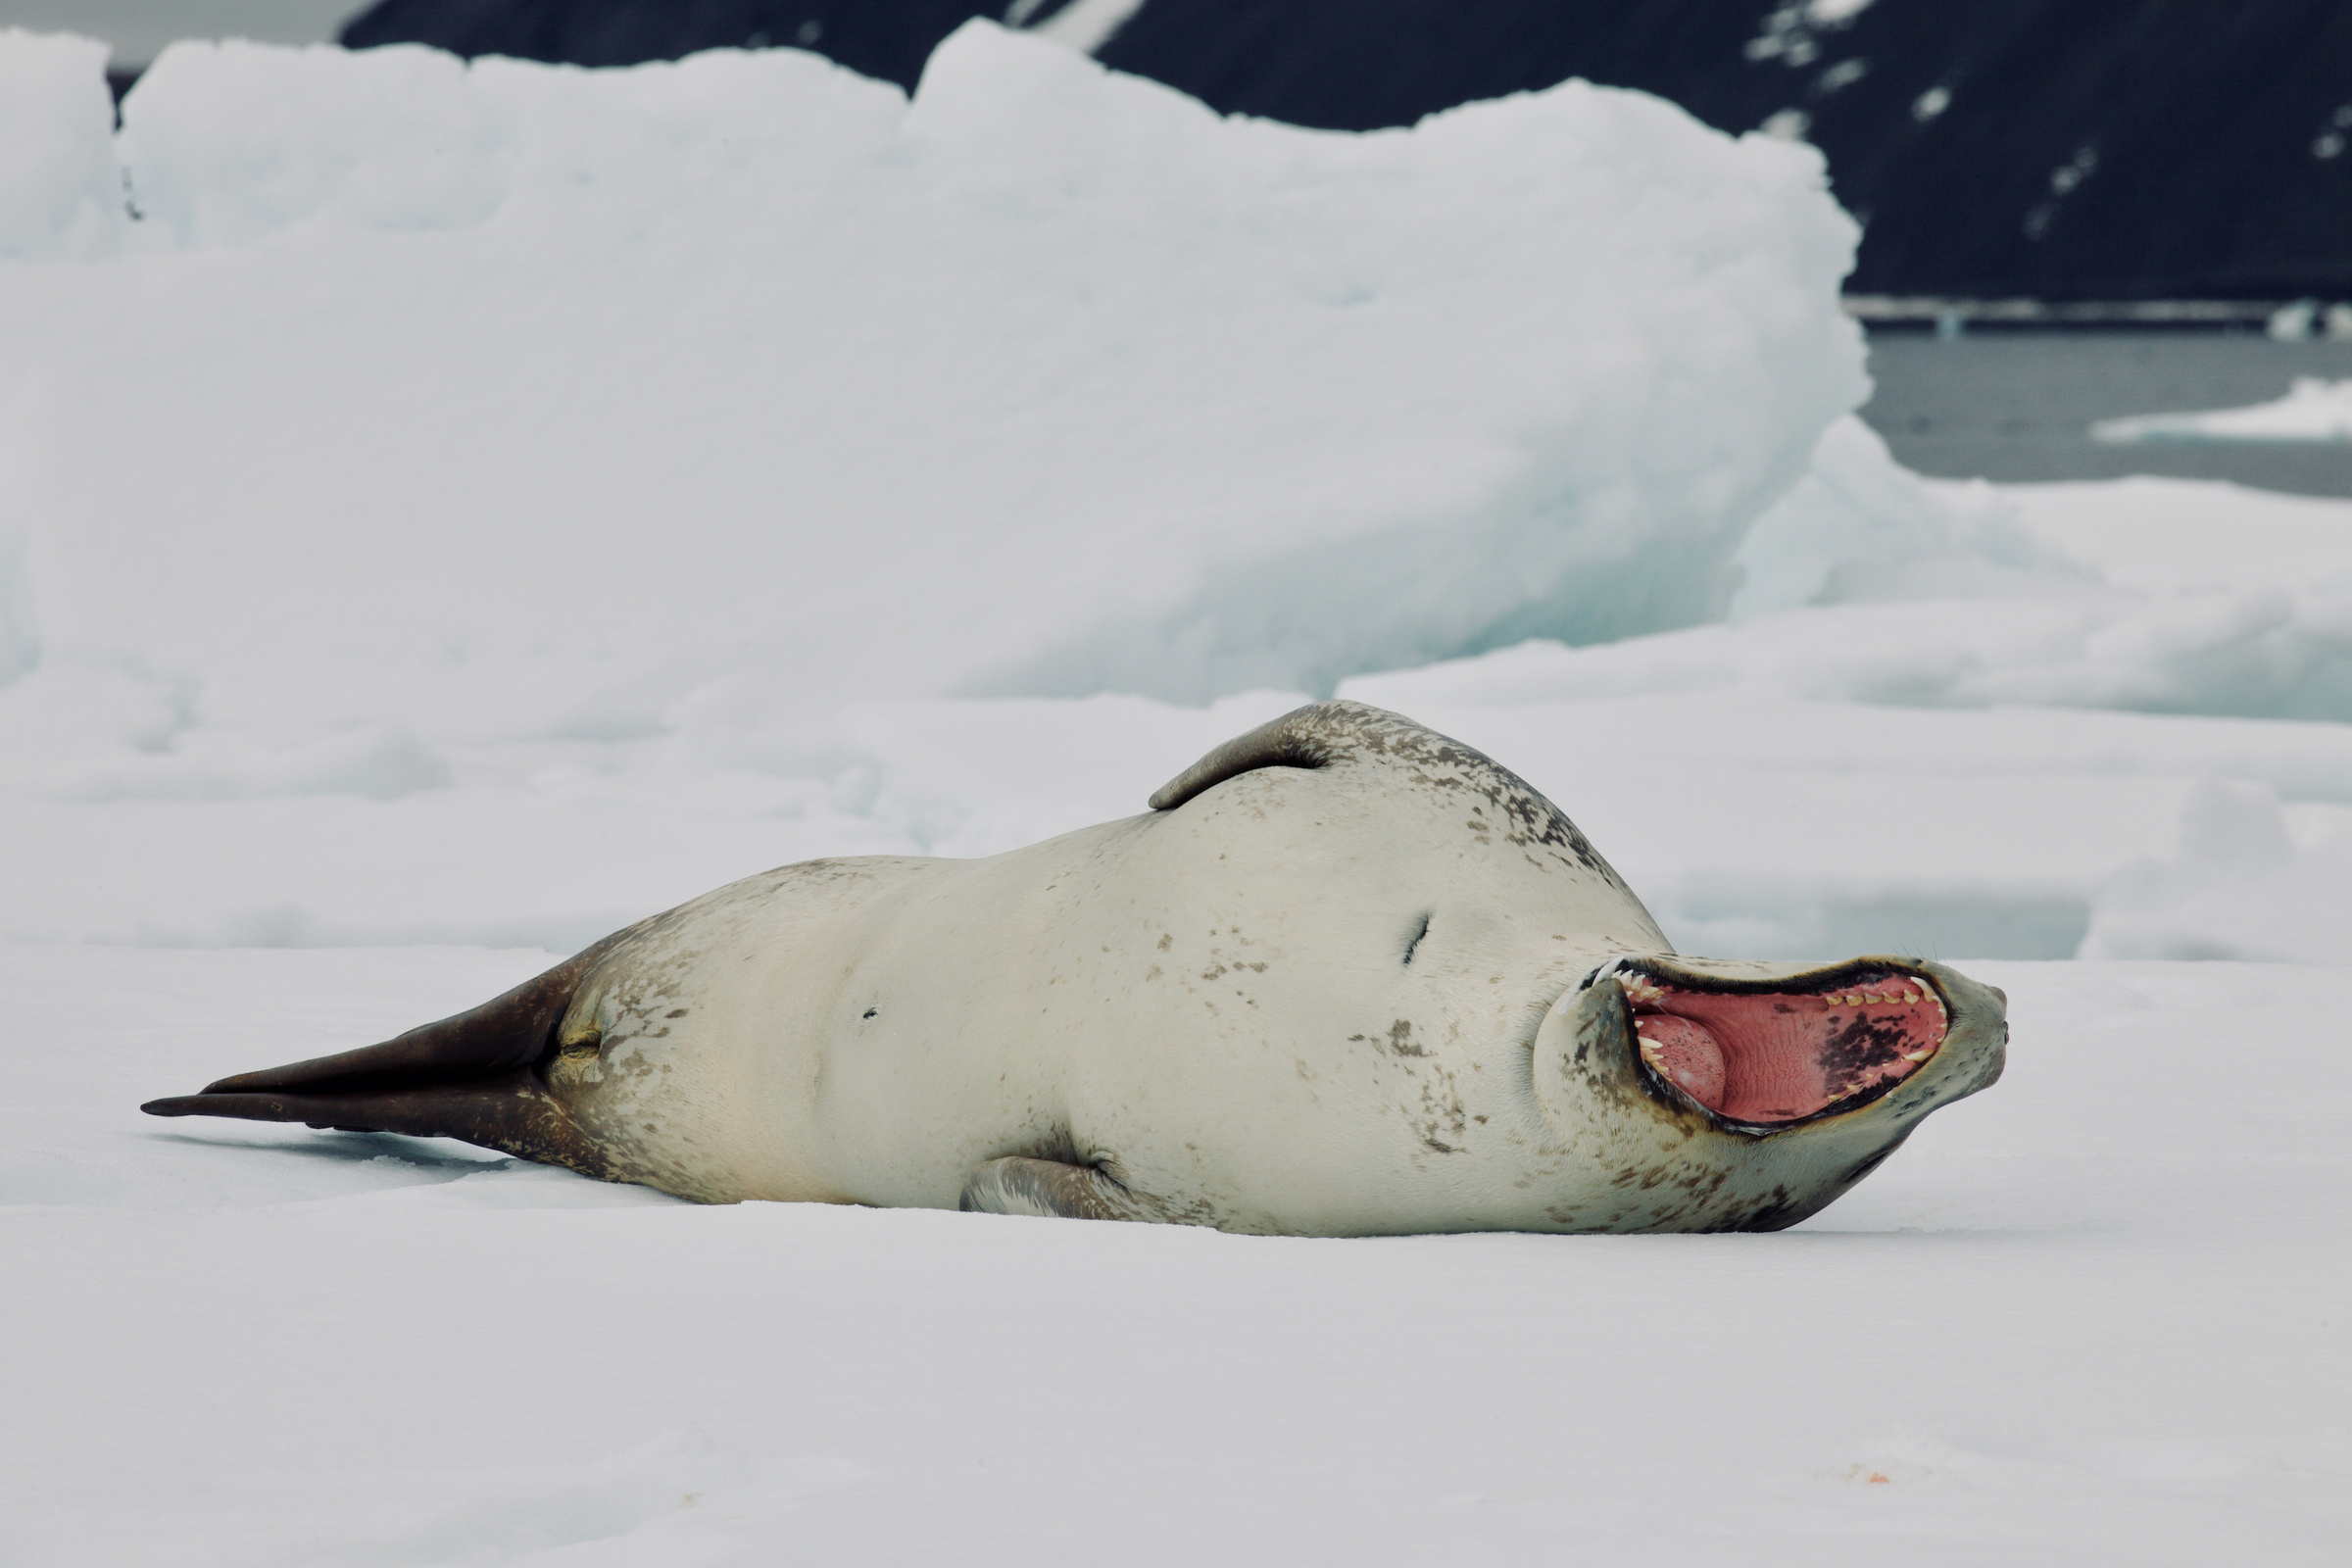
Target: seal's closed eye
(1420, 930)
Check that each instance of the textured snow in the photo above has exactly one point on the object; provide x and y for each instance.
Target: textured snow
(2093, 1314)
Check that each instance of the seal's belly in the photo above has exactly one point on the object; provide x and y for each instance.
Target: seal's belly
(706, 1079)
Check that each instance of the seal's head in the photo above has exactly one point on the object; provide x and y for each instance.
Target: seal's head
(1774, 1087)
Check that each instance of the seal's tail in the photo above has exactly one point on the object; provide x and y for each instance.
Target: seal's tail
(470, 1077)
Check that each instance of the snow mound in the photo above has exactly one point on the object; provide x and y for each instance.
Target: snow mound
(229, 142)
(1859, 527)
(61, 194)
(2251, 653)
(1866, 584)
(2313, 411)
(2245, 883)
(540, 402)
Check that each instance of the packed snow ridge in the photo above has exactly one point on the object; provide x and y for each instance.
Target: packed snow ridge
(488, 501)
(1049, 380)
(2313, 410)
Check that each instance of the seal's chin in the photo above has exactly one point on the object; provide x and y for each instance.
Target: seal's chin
(1770, 1054)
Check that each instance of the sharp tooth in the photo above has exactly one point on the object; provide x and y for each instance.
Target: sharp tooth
(1919, 1055)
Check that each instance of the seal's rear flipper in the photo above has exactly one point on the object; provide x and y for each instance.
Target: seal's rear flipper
(470, 1077)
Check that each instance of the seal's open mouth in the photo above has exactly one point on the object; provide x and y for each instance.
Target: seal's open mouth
(1768, 1057)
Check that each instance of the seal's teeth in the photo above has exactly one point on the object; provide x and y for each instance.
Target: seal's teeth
(1921, 1054)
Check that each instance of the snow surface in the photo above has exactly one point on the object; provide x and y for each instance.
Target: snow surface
(2313, 410)
(480, 506)
(2094, 1314)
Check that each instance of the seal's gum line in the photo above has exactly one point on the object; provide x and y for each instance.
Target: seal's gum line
(1778, 1056)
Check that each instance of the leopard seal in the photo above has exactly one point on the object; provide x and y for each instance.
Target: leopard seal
(1346, 977)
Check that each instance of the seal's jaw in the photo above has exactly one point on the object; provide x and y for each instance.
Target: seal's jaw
(1708, 1094)
(1766, 1054)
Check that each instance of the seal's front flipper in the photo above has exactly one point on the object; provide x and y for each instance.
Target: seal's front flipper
(1048, 1189)
(475, 1077)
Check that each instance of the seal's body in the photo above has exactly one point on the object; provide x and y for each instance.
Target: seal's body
(1348, 977)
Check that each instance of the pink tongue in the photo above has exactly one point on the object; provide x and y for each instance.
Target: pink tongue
(1685, 1054)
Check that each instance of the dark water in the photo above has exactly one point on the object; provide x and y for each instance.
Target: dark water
(2017, 406)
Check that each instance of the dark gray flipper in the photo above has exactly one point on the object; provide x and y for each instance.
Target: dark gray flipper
(471, 1077)
(1309, 737)
(1048, 1189)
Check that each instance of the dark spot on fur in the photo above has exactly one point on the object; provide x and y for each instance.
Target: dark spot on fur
(1776, 1214)
(870, 1012)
